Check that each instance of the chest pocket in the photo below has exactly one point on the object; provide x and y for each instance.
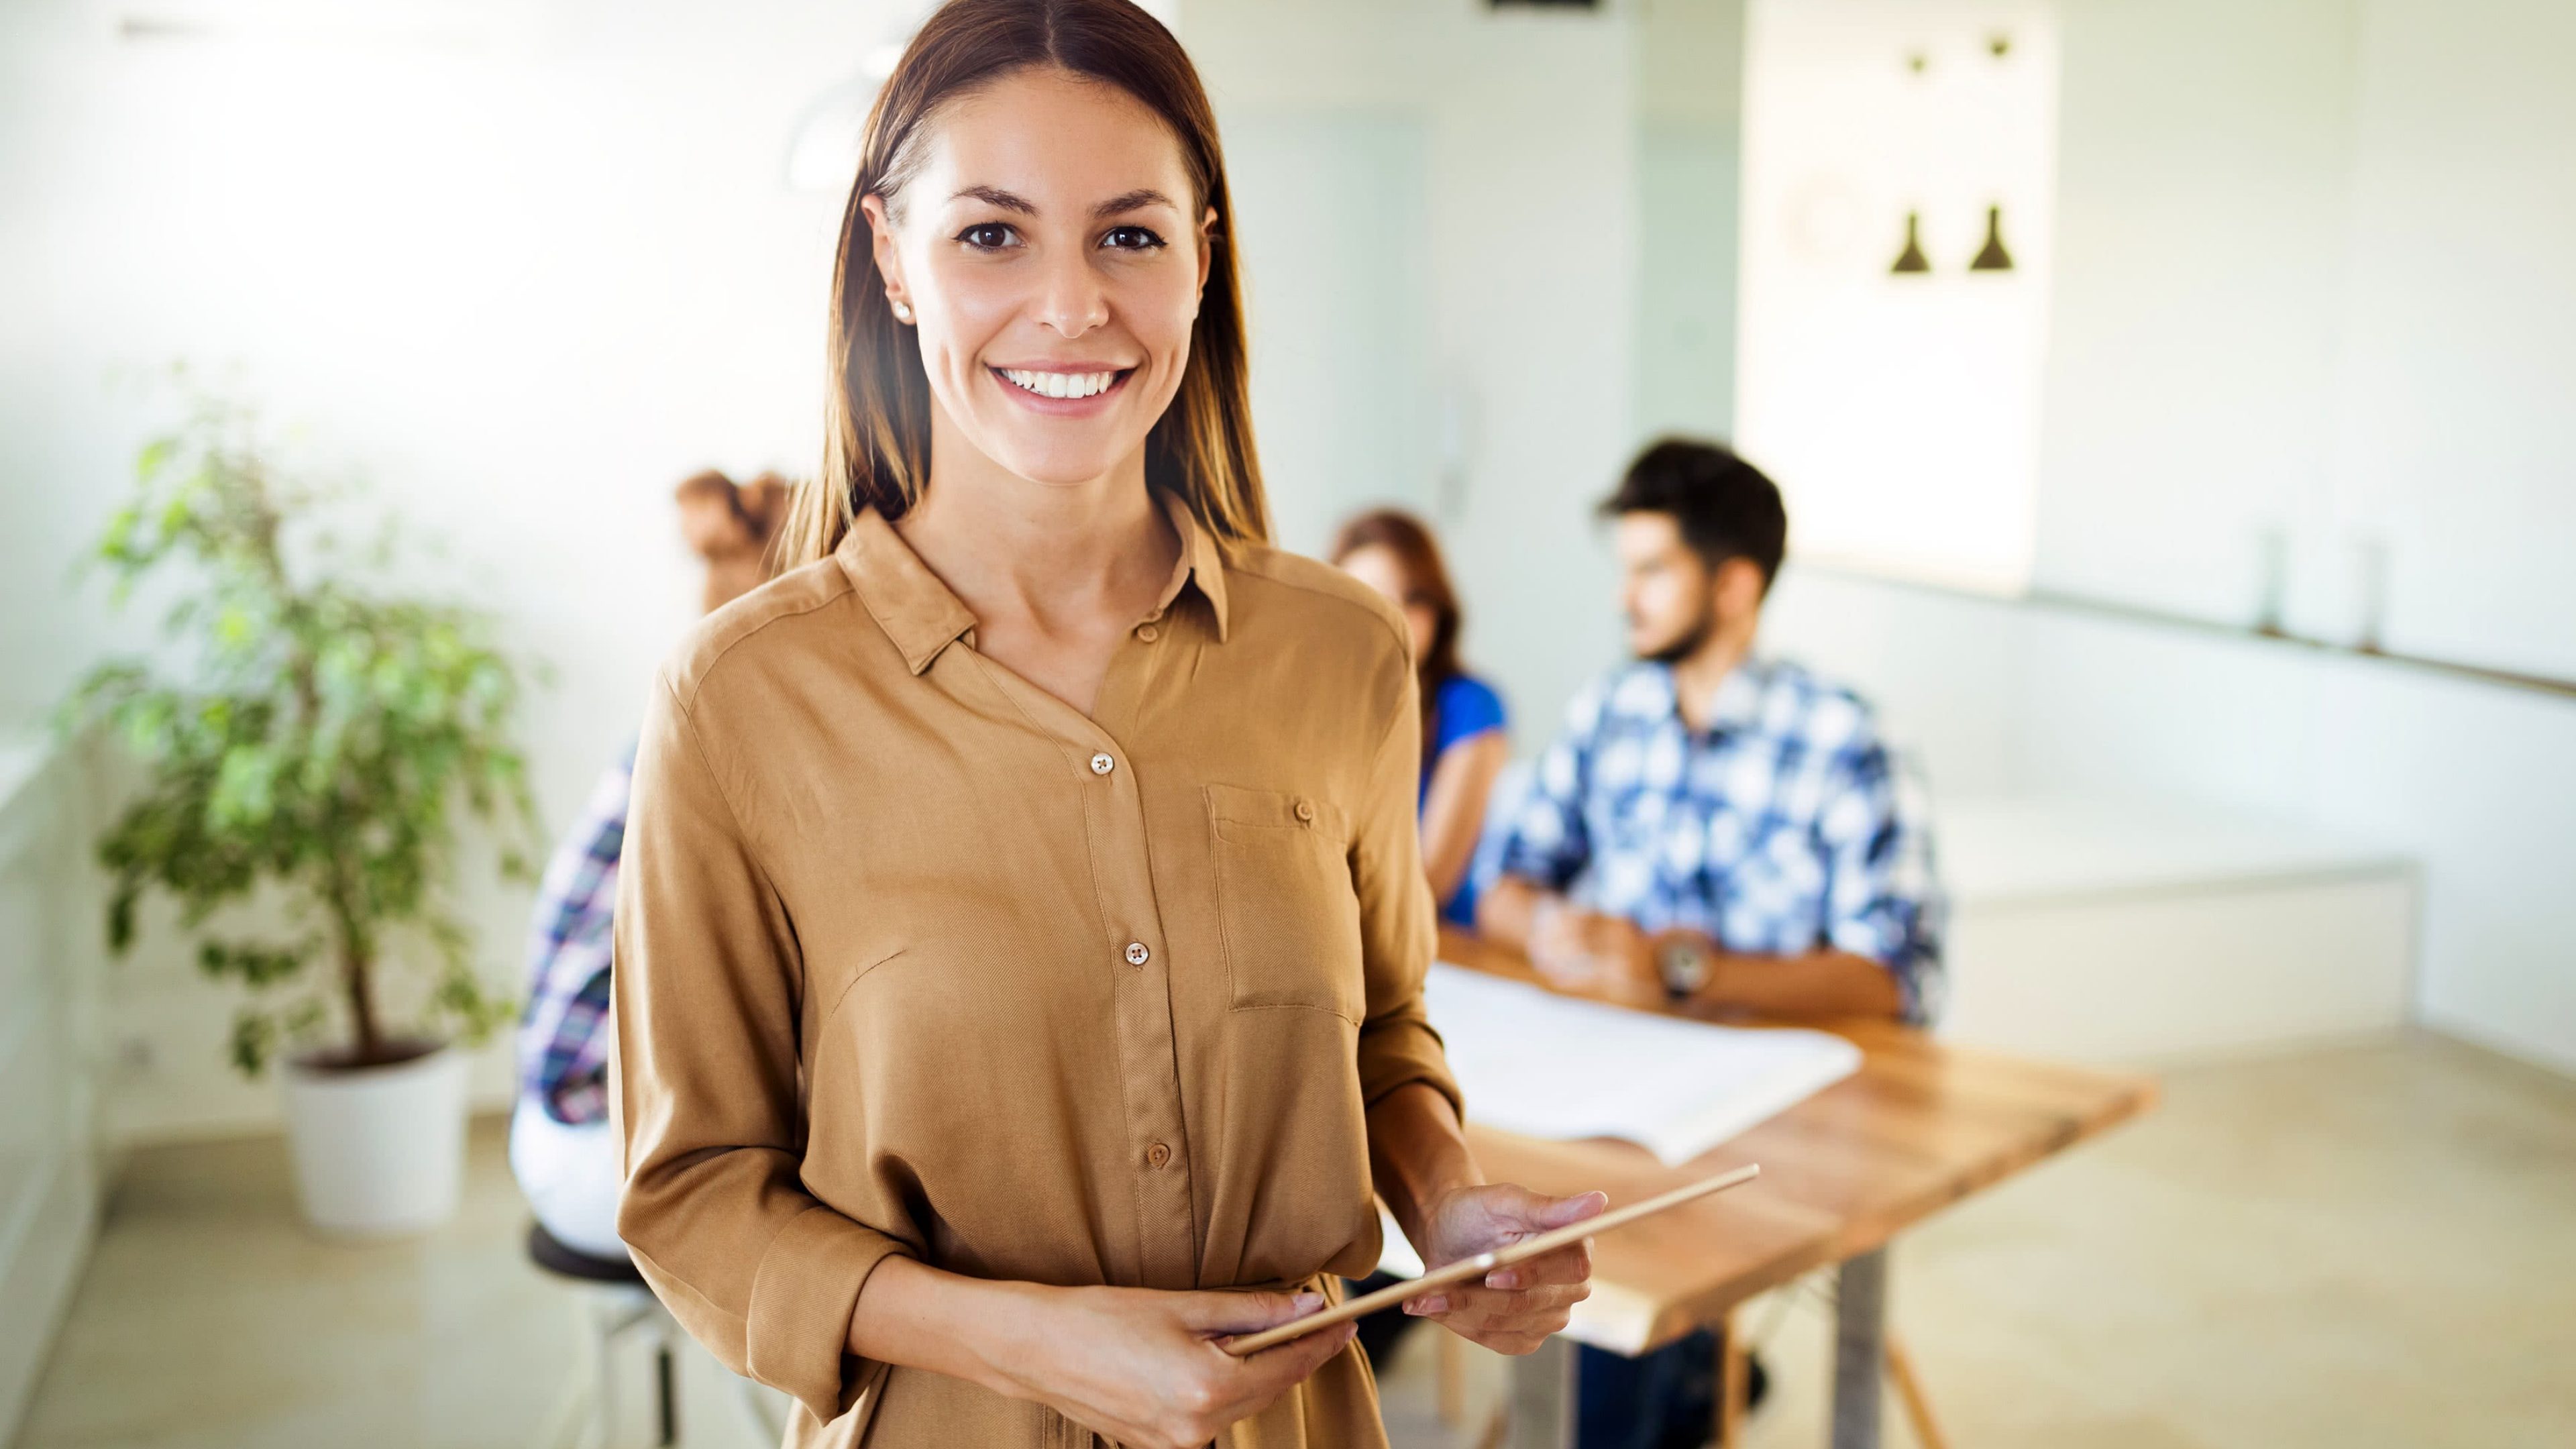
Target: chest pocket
(1285, 903)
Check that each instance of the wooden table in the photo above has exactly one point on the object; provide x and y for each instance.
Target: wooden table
(1918, 1127)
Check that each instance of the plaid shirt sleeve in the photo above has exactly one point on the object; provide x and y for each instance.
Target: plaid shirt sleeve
(1548, 844)
(1882, 899)
(563, 1034)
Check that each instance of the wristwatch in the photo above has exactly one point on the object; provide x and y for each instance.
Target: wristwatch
(1684, 960)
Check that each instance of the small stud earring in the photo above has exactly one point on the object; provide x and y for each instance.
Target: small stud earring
(902, 311)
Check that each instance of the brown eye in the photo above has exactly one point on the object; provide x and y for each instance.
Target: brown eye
(1130, 239)
(987, 236)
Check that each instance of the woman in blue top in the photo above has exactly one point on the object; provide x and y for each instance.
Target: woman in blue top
(1463, 746)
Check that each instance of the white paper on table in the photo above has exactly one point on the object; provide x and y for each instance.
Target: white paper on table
(1543, 1065)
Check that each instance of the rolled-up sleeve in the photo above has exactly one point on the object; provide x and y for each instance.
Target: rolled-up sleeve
(1399, 930)
(705, 1072)
(1883, 899)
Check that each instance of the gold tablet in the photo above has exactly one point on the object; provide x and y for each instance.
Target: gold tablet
(1478, 1266)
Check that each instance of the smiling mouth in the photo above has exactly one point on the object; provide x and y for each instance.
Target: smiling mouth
(1068, 385)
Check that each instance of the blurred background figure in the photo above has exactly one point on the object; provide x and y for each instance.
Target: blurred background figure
(1464, 744)
(1714, 825)
(561, 1150)
(1712, 828)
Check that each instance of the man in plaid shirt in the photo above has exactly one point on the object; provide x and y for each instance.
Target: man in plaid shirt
(1715, 828)
(563, 1047)
(561, 1150)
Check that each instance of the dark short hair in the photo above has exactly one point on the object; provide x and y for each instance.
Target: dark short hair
(1725, 507)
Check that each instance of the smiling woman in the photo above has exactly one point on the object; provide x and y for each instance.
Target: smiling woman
(1088, 66)
(1022, 922)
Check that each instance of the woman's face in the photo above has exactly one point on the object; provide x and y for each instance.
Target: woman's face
(1049, 253)
(1380, 569)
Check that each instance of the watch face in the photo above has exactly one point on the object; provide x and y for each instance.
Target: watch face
(1685, 965)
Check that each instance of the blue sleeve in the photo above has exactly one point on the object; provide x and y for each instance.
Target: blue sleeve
(1882, 899)
(1467, 707)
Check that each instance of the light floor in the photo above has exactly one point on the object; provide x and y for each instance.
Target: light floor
(2374, 1246)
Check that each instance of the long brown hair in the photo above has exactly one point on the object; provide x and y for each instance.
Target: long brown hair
(1426, 582)
(876, 449)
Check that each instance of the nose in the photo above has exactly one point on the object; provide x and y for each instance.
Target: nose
(1071, 300)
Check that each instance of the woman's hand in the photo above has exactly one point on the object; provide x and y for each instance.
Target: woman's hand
(1144, 1367)
(1516, 1307)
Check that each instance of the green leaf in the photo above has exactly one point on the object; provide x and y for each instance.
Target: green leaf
(253, 1040)
(307, 735)
(154, 457)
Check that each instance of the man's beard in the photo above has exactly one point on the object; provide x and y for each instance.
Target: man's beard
(1687, 642)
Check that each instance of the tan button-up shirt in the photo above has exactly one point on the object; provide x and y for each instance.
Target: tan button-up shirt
(913, 957)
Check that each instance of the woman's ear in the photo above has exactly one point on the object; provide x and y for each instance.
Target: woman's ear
(1207, 251)
(881, 245)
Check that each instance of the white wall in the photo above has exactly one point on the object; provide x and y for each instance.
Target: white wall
(524, 276)
(1690, 101)
(1529, 123)
(49, 1167)
(2453, 435)
(2201, 242)
(1334, 232)
(2311, 277)
(2312, 284)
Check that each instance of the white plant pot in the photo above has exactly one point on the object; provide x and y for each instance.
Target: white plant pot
(379, 1151)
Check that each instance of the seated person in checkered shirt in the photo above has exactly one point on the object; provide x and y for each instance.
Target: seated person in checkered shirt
(1714, 827)
(561, 1150)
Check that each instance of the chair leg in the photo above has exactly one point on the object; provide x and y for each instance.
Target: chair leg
(662, 1376)
(1909, 1391)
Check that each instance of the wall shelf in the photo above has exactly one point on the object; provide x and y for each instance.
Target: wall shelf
(2084, 604)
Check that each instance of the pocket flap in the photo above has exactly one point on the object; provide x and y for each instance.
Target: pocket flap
(1276, 809)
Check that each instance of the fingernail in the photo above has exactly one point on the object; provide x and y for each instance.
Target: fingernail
(1427, 1306)
(1308, 1302)
(1502, 1278)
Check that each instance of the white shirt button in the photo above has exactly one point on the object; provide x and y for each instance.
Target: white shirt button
(1137, 955)
(1102, 764)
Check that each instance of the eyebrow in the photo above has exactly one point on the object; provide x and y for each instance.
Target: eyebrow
(1132, 201)
(996, 197)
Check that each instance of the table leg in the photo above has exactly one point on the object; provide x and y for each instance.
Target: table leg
(1733, 1381)
(1860, 1349)
(1542, 1414)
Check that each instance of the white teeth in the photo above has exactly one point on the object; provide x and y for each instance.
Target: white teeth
(1061, 384)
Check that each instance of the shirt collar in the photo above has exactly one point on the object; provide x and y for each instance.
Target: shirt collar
(923, 617)
(1202, 561)
(1738, 705)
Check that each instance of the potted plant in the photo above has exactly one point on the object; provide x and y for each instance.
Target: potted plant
(308, 745)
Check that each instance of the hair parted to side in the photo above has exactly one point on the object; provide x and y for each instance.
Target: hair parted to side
(1724, 506)
(876, 447)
